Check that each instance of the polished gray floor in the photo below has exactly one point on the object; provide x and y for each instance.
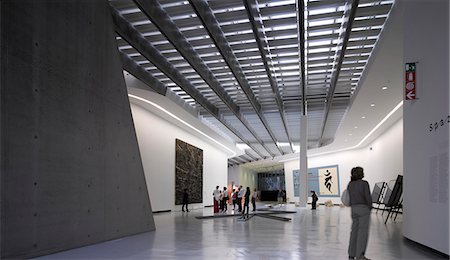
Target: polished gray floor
(320, 234)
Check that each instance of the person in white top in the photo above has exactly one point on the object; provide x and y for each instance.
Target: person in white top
(241, 193)
(224, 199)
(216, 199)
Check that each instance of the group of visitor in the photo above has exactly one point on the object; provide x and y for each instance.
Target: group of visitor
(239, 196)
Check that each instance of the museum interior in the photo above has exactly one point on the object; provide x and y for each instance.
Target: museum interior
(117, 113)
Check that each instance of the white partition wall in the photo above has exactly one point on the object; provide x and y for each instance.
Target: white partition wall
(426, 125)
(381, 160)
(156, 137)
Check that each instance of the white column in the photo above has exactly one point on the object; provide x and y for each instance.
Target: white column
(303, 195)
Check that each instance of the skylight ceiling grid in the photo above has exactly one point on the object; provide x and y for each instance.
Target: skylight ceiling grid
(293, 119)
(280, 25)
(278, 128)
(155, 72)
(210, 54)
(257, 126)
(196, 39)
(242, 41)
(335, 118)
(219, 128)
(236, 124)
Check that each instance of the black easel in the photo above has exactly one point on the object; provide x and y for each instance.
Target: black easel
(378, 194)
(395, 203)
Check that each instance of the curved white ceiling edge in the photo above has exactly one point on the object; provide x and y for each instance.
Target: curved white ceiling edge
(171, 112)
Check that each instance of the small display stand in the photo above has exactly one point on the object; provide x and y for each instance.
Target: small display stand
(378, 194)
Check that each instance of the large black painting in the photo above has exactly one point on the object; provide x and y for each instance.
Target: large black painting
(188, 172)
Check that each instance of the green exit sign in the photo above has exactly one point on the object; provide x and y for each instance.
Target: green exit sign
(410, 67)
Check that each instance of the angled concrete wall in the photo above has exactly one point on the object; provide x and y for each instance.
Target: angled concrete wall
(71, 172)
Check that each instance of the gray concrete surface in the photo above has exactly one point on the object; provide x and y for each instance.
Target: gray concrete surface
(71, 172)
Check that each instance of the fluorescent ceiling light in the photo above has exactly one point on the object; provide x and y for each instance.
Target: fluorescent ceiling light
(183, 122)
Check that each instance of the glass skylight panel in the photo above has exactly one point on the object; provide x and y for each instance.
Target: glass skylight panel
(234, 22)
(125, 47)
(196, 38)
(143, 22)
(290, 73)
(319, 50)
(321, 22)
(191, 28)
(319, 43)
(282, 37)
(160, 42)
(252, 64)
(283, 46)
(293, 67)
(249, 58)
(281, 27)
(174, 4)
(320, 33)
(366, 28)
(231, 9)
(238, 32)
(277, 3)
(242, 42)
(322, 11)
(279, 16)
(143, 62)
(315, 59)
(320, 64)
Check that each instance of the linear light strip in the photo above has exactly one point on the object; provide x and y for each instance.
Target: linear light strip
(368, 135)
(399, 105)
(182, 121)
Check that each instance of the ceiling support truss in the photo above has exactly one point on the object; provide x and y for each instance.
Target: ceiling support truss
(256, 23)
(137, 71)
(137, 40)
(346, 29)
(209, 21)
(158, 16)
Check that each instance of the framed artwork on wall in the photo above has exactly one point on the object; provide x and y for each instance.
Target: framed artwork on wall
(328, 180)
(188, 172)
(323, 180)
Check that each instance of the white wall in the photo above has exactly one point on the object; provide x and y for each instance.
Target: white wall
(156, 138)
(381, 163)
(249, 178)
(426, 157)
(289, 168)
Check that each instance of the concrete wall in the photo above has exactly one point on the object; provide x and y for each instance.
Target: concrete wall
(426, 158)
(156, 136)
(71, 172)
(381, 160)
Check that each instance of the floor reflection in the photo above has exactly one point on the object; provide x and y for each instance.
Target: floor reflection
(319, 234)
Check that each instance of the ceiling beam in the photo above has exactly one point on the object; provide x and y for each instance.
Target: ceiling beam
(346, 29)
(138, 41)
(253, 14)
(159, 17)
(138, 72)
(301, 35)
(209, 21)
